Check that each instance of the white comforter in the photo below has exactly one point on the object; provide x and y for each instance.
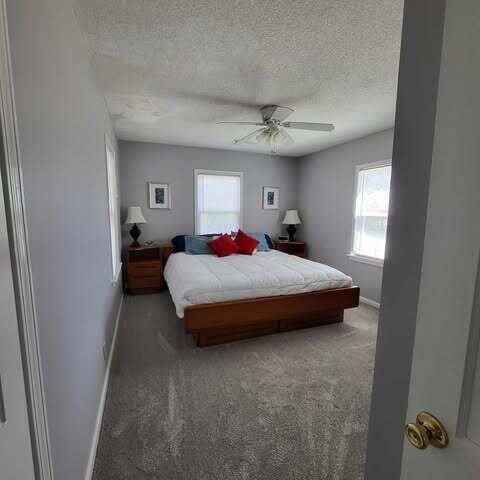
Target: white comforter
(197, 279)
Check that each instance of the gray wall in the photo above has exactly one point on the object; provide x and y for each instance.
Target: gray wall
(147, 162)
(326, 183)
(62, 121)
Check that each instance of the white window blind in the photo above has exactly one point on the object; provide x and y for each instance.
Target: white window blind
(218, 201)
(371, 211)
(113, 208)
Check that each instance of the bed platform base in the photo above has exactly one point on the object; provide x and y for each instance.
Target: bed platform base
(216, 323)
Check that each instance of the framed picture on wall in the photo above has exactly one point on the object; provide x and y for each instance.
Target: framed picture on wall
(271, 198)
(160, 195)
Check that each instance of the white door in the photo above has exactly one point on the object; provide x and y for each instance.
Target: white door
(16, 462)
(445, 374)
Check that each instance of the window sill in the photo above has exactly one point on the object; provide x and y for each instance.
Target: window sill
(375, 262)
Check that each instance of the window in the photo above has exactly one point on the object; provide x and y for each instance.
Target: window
(218, 201)
(371, 212)
(113, 207)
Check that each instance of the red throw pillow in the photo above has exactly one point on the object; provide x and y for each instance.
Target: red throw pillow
(246, 243)
(223, 246)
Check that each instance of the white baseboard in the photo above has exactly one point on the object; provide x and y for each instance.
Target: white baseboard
(372, 303)
(103, 397)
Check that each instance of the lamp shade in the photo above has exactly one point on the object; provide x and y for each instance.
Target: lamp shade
(135, 215)
(291, 218)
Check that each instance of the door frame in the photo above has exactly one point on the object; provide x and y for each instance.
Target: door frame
(21, 264)
(415, 123)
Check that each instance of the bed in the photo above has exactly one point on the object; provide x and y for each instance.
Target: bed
(241, 296)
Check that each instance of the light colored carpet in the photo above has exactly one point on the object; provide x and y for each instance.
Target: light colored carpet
(286, 406)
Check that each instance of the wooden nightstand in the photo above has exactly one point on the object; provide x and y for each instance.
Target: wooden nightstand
(144, 272)
(292, 248)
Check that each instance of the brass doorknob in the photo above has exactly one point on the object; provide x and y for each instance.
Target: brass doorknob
(427, 430)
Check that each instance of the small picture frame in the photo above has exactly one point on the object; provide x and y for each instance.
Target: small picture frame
(271, 197)
(160, 195)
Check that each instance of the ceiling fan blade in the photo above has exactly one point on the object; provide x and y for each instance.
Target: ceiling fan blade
(286, 137)
(240, 123)
(275, 112)
(246, 138)
(318, 127)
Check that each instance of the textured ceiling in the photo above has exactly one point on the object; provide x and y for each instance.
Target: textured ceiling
(171, 69)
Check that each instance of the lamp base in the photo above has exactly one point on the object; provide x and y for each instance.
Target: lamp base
(291, 230)
(135, 233)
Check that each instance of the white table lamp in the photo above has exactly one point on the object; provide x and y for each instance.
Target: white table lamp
(135, 215)
(291, 219)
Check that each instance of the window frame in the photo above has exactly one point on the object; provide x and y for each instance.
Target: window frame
(220, 173)
(357, 257)
(113, 209)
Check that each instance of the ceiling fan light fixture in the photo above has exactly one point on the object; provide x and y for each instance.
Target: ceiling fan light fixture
(263, 136)
(274, 129)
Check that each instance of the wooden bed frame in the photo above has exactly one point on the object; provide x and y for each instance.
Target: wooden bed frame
(215, 323)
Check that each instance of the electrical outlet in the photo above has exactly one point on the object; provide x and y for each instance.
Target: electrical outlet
(104, 351)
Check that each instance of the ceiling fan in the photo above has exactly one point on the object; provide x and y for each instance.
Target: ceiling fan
(273, 127)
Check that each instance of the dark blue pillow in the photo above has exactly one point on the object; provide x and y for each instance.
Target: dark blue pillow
(269, 241)
(178, 241)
